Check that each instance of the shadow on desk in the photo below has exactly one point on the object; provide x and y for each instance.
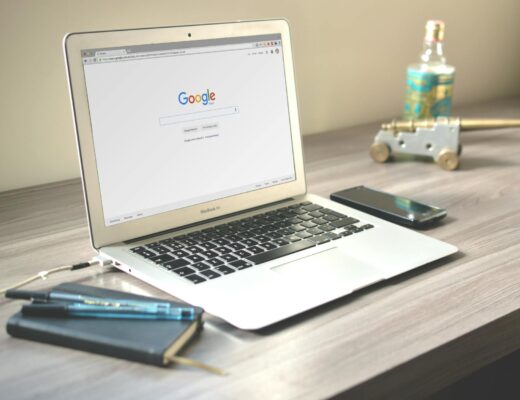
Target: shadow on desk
(498, 380)
(471, 163)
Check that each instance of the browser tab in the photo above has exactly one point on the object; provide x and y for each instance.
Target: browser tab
(118, 52)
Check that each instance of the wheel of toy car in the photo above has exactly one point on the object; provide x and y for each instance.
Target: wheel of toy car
(380, 152)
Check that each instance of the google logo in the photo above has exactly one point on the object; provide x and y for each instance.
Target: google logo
(206, 98)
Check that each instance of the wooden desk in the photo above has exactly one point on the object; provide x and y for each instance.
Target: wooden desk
(403, 338)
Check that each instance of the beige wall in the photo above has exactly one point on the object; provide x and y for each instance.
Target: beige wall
(350, 58)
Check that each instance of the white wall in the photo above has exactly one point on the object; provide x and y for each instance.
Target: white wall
(350, 59)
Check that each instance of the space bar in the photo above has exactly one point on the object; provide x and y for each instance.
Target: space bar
(281, 251)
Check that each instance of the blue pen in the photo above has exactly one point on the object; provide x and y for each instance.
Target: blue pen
(152, 306)
(79, 310)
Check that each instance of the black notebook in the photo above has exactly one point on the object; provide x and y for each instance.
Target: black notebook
(148, 341)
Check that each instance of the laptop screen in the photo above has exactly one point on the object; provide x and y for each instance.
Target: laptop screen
(179, 124)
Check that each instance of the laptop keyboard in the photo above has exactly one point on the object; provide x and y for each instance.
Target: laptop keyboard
(224, 249)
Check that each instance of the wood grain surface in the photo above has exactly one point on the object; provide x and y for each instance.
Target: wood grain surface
(403, 338)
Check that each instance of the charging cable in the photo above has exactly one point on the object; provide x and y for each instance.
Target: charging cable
(98, 260)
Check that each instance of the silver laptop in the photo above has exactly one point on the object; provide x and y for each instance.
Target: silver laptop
(193, 174)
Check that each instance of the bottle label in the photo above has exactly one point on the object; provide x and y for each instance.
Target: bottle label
(428, 95)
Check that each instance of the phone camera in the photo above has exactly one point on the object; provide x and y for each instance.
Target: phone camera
(189, 34)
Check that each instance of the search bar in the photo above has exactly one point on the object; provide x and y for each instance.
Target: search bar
(200, 115)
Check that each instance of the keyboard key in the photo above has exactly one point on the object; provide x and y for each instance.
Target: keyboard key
(268, 245)
(270, 228)
(174, 246)
(249, 242)
(274, 235)
(297, 228)
(241, 264)
(215, 262)
(143, 252)
(367, 226)
(161, 259)
(195, 258)
(210, 274)
(315, 214)
(343, 222)
(281, 224)
(225, 270)
(286, 231)
(292, 238)
(303, 235)
(242, 253)
(200, 266)
(247, 234)
(161, 249)
(320, 239)
(319, 221)
(208, 245)
(255, 249)
(308, 224)
(331, 235)
(184, 271)
(315, 231)
(262, 238)
(281, 251)
(236, 246)
(220, 227)
(176, 264)
(181, 253)
(221, 242)
(223, 250)
(330, 218)
(327, 228)
(197, 236)
(286, 214)
(311, 207)
(305, 217)
(281, 242)
(138, 249)
(196, 278)
(209, 254)
(228, 258)
(194, 249)
(190, 242)
(233, 238)
(332, 212)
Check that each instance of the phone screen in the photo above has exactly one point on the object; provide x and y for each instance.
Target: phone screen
(383, 202)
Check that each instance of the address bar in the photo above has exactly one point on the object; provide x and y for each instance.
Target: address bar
(173, 52)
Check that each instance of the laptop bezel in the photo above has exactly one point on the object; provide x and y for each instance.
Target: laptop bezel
(102, 235)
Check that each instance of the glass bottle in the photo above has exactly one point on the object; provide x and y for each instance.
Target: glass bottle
(429, 83)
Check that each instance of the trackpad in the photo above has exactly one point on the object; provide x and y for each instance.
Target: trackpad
(330, 268)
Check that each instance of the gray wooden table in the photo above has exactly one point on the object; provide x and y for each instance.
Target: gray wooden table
(403, 338)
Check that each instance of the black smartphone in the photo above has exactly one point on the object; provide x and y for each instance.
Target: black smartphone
(396, 209)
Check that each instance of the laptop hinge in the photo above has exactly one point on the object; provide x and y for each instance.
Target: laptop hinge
(180, 228)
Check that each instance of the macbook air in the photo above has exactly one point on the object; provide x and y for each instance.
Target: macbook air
(193, 174)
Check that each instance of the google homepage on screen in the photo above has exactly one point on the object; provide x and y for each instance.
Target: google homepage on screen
(179, 124)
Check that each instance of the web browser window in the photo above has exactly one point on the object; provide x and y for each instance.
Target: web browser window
(179, 124)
